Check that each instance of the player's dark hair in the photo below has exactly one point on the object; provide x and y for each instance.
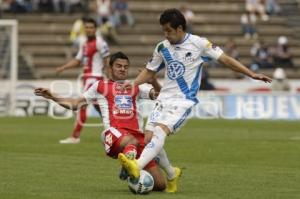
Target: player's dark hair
(174, 17)
(118, 55)
(90, 20)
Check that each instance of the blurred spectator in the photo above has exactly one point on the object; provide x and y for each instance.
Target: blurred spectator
(5, 5)
(282, 56)
(206, 85)
(46, 6)
(59, 5)
(122, 13)
(69, 6)
(74, 6)
(261, 56)
(257, 6)
(77, 35)
(272, 7)
(189, 17)
(104, 10)
(17, 6)
(108, 31)
(280, 83)
(231, 49)
(248, 22)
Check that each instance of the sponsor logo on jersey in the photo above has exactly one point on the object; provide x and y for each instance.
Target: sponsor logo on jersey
(175, 70)
(123, 101)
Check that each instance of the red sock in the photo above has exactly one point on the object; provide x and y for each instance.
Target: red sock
(130, 151)
(81, 118)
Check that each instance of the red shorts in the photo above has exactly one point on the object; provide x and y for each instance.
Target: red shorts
(112, 138)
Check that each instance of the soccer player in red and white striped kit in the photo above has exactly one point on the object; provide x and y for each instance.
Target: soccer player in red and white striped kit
(123, 125)
(93, 56)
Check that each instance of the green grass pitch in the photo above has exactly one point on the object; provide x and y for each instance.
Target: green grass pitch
(221, 160)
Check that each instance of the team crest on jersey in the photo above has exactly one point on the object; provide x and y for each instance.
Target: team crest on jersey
(175, 70)
(189, 57)
(123, 101)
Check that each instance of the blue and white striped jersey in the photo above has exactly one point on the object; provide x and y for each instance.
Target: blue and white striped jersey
(183, 62)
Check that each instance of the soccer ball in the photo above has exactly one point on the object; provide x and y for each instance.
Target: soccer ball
(143, 185)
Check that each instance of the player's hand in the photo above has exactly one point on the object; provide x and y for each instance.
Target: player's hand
(43, 92)
(262, 77)
(59, 69)
(127, 85)
(153, 94)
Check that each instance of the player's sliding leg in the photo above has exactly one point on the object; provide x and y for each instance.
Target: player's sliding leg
(130, 151)
(150, 152)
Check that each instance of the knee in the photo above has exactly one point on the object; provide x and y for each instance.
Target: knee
(165, 128)
(148, 136)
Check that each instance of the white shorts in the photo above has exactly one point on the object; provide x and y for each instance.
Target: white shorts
(172, 113)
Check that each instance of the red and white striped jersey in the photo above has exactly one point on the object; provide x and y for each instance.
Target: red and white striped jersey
(91, 55)
(118, 106)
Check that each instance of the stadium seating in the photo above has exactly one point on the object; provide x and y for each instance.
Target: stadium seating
(45, 37)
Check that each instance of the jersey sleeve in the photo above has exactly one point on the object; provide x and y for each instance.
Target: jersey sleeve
(156, 63)
(209, 49)
(102, 47)
(144, 91)
(79, 55)
(91, 94)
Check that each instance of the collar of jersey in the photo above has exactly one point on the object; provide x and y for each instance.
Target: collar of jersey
(117, 81)
(187, 35)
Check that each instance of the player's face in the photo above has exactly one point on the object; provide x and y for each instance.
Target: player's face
(171, 34)
(119, 69)
(90, 30)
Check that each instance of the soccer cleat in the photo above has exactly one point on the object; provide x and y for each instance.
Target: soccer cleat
(123, 175)
(70, 140)
(130, 165)
(172, 184)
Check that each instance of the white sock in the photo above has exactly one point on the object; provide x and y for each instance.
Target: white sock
(164, 163)
(153, 147)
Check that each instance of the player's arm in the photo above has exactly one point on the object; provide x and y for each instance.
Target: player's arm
(104, 50)
(71, 64)
(235, 65)
(155, 84)
(105, 65)
(154, 92)
(68, 103)
(145, 76)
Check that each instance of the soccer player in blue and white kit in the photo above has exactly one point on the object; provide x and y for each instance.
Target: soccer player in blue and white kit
(182, 55)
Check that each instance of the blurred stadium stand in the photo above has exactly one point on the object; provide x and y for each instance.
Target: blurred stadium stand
(44, 38)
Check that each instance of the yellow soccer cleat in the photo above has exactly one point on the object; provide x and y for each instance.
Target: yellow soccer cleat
(172, 184)
(130, 165)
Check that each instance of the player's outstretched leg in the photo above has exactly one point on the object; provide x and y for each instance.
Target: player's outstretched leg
(130, 165)
(130, 152)
(172, 183)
